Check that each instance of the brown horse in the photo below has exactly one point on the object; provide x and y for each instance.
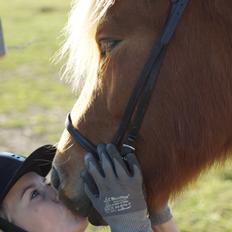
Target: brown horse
(188, 124)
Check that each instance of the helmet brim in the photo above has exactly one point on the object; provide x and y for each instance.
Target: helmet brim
(39, 161)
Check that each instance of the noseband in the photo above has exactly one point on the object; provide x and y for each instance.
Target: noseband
(139, 100)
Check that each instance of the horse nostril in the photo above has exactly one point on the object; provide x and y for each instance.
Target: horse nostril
(55, 179)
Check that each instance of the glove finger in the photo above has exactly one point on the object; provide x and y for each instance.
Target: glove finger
(89, 157)
(115, 155)
(90, 195)
(89, 181)
(122, 173)
(93, 168)
(137, 174)
(132, 161)
(106, 163)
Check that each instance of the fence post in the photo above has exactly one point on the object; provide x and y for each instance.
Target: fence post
(2, 45)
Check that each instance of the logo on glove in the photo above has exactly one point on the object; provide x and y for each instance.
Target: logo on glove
(117, 204)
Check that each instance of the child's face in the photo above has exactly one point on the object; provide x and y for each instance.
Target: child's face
(33, 205)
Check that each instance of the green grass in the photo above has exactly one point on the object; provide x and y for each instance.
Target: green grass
(207, 206)
(33, 105)
(30, 90)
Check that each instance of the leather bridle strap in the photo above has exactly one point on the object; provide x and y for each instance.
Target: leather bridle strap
(139, 100)
(86, 144)
(128, 145)
(147, 80)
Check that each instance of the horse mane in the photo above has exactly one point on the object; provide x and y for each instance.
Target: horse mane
(80, 47)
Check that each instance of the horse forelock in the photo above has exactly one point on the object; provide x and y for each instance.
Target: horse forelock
(80, 49)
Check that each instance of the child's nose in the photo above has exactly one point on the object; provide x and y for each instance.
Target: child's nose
(52, 193)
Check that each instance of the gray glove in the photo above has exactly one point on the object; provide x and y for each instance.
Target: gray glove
(119, 197)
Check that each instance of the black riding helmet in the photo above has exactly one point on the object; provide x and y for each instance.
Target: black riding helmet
(13, 166)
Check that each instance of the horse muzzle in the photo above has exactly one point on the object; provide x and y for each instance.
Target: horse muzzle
(80, 205)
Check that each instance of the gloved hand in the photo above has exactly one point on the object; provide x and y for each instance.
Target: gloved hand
(119, 196)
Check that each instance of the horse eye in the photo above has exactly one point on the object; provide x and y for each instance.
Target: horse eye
(106, 46)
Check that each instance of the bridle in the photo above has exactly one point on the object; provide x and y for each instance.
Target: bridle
(140, 97)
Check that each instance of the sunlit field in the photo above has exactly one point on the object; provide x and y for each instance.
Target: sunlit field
(34, 103)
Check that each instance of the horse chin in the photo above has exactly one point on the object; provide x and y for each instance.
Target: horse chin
(80, 205)
(83, 207)
(95, 218)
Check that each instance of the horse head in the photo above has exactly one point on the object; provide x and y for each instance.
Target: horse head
(188, 123)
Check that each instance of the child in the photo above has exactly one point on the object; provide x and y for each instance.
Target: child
(27, 200)
(29, 203)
